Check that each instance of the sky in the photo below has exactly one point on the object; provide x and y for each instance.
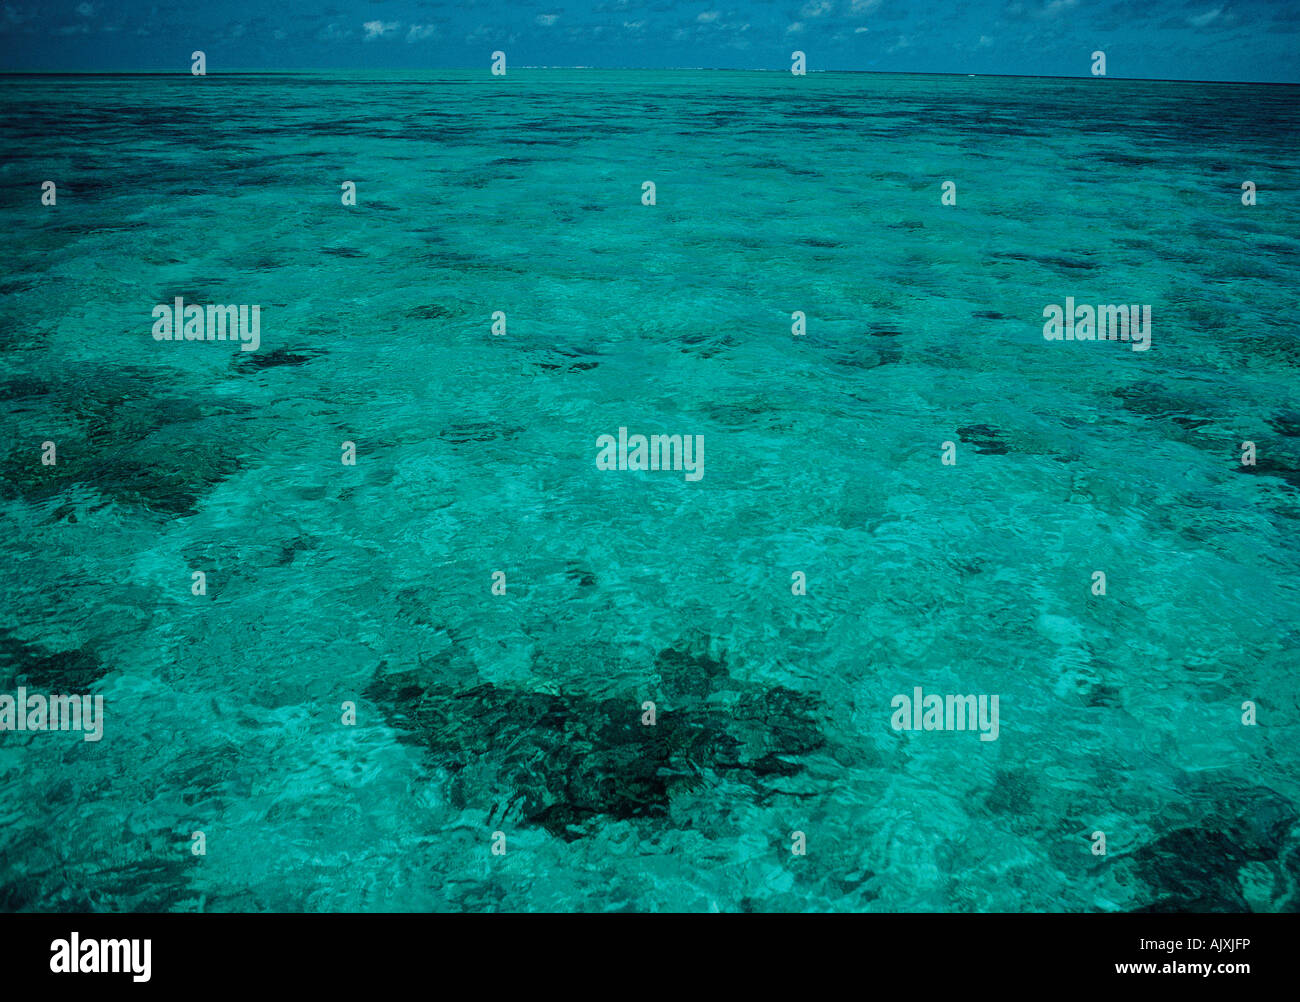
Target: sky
(1242, 40)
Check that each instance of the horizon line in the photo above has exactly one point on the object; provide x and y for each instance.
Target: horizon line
(635, 69)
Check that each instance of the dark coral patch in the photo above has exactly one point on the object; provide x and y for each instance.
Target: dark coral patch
(259, 360)
(46, 669)
(564, 760)
(985, 438)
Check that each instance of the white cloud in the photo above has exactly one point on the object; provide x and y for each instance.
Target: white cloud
(378, 29)
(85, 9)
(860, 31)
(546, 20)
(419, 32)
(708, 17)
(634, 25)
(863, 6)
(985, 42)
(795, 28)
(1056, 6)
(816, 8)
(1201, 20)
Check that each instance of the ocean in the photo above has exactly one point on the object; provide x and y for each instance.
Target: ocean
(380, 625)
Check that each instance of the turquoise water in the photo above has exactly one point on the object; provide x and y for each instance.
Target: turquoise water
(521, 713)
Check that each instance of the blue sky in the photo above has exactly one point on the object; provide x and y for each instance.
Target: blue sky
(1257, 40)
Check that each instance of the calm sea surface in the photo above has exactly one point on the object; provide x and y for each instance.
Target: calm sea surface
(372, 584)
